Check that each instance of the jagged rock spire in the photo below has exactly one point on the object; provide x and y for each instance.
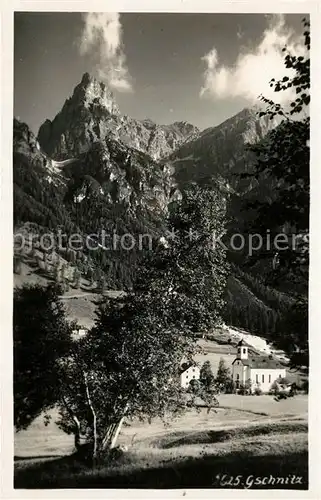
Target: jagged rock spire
(91, 114)
(92, 91)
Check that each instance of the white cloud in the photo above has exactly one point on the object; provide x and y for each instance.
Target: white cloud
(249, 77)
(239, 33)
(102, 37)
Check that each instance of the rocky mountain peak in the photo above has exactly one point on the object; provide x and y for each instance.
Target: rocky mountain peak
(92, 115)
(91, 91)
(185, 127)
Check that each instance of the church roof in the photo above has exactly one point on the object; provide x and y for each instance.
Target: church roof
(261, 363)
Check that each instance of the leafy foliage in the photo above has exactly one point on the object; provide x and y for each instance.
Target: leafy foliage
(41, 336)
(283, 156)
(128, 363)
(294, 329)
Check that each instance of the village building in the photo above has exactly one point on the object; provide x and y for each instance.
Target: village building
(79, 333)
(260, 372)
(189, 371)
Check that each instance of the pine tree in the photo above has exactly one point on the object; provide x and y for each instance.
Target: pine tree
(223, 375)
(57, 275)
(101, 285)
(207, 378)
(76, 278)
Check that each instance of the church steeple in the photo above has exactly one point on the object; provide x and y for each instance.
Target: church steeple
(242, 350)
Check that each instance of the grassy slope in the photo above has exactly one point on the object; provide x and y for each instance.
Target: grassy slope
(79, 302)
(189, 452)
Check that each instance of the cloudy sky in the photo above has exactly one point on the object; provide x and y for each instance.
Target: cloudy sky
(201, 68)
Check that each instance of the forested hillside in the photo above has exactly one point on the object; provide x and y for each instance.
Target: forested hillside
(80, 177)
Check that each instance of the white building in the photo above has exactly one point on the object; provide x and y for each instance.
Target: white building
(261, 371)
(189, 371)
(79, 333)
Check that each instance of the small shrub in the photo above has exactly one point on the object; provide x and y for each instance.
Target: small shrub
(305, 386)
(117, 453)
(281, 395)
(283, 381)
(194, 387)
(274, 389)
(230, 387)
(293, 390)
(241, 389)
(248, 386)
(258, 391)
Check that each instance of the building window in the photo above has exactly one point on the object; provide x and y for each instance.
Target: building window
(244, 351)
(238, 376)
(193, 369)
(193, 376)
(269, 378)
(257, 378)
(262, 379)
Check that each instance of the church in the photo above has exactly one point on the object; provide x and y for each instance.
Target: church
(261, 371)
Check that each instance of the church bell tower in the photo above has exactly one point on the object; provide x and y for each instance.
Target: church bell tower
(242, 350)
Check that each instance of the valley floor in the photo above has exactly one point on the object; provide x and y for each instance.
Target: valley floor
(248, 436)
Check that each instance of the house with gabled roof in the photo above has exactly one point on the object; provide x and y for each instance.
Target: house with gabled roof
(260, 371)
(189, 371)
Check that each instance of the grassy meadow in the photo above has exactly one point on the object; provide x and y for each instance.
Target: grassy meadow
(247, 436)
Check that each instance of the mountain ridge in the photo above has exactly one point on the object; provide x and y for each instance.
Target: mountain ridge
(91, 114)
(92, 167)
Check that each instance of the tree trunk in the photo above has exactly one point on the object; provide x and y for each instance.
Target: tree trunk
(105, 445)
(77, 439)
(94, 453)
(117, 431)
(113, 431)
(76, 422)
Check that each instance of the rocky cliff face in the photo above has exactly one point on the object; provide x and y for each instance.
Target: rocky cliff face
(220, 152)
(24, 141)
(109, 187)
(109, 171)
(95, 151)
(91, 114)
(27, 152)
(92, 168)
(118, 174)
